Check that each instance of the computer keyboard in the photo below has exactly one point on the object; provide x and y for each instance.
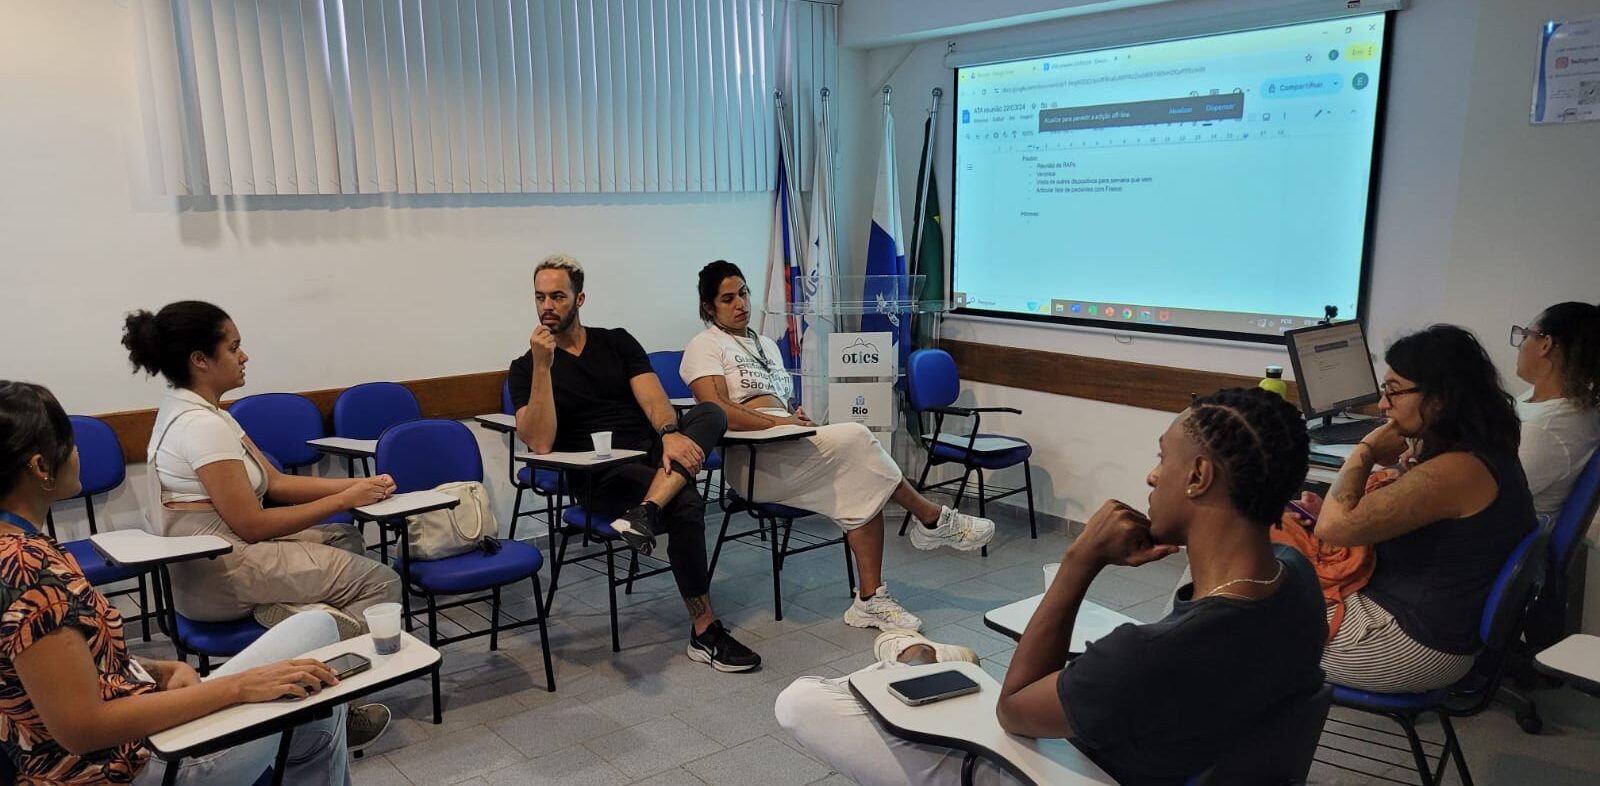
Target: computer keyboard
(1347, 433)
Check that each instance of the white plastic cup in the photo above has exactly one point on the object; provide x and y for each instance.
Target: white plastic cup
(383, 621)
(1050, 574)
(602, 444)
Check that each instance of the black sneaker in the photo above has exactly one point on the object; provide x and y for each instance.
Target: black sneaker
(637, 528)
(718, 647)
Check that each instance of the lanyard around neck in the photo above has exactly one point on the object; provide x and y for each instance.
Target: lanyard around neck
(18, 522)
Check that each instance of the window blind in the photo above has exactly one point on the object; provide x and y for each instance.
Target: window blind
(477, 96)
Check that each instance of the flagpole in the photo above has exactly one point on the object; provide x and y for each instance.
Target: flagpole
(833, 221)
(922, 191)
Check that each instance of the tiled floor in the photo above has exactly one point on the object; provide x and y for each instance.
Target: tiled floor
(648, 715)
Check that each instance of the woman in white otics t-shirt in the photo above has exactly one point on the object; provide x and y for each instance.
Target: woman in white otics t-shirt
(842, 472)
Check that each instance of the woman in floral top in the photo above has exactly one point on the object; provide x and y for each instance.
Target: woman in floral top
(75, 707)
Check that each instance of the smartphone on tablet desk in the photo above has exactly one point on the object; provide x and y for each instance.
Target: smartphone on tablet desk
(934, 687)
(348, 665)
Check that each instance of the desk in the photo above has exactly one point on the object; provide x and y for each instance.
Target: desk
(135, 548)
(497, 421)
(681, 404)
(1094, 620)
(242, 723)
(1575, 658)
(968, 723)
(399, 506)
(352, 450)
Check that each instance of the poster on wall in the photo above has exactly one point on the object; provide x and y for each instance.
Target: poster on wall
(869, 403)
(1566, 85)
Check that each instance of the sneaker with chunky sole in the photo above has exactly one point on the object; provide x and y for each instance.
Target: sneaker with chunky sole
(880, 611)
(891, 643)
(637, 528)
(719, 648)
(955, 530)
(363, 726)
(273, 613)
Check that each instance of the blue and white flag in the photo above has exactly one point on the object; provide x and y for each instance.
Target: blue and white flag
(817, 274)
(778, 320)
(884, 291)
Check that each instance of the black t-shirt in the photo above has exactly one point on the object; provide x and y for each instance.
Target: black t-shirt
(1435, 580)
(1159, 703)
(592, 391)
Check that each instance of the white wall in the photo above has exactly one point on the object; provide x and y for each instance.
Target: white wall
(1480, 216)
(326, 291)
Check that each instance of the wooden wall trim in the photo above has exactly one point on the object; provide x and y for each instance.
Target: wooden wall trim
(454, 397)
(1099, 379)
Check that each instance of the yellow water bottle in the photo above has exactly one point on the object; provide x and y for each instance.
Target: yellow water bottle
(1274, 381)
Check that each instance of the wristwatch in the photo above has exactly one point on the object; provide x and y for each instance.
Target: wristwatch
(670, 428)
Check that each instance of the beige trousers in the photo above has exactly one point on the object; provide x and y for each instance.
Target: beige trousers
(321, 564)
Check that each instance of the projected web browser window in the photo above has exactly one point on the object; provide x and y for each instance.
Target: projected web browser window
(1216, 185)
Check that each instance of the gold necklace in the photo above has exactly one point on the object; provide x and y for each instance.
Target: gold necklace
(1219, 587)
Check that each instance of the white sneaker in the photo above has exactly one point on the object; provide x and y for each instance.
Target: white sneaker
(891, 643)
(273, 613)
(882, 612)
(956, 530)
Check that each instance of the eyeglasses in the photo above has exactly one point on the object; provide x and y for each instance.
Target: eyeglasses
(1520, 334)
(1388, 394)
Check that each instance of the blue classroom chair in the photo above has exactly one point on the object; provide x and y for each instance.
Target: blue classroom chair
(1503, 616)
(364, 411)
(101, 469)
(421, 455)
(280, 424)
(933, 384)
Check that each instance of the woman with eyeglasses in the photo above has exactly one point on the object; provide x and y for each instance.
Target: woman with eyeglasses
(1443, 529)
(1559, 355)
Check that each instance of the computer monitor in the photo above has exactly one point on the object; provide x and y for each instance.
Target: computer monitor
(1332, 367)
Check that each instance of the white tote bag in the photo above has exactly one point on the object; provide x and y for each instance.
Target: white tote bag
(466, 527)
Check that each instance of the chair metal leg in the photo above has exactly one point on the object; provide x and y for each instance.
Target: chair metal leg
(961, 490)
(433, 622)
(205, 664)
(611, 592)
(438, 699)
(1453, 748)
(544, 635)
(849, 571)
(1423, 770)
(555, 570)
(983, 510)
(516, 508)
(777, 567)
(922, 483)
(716, 551)
(144, 609)
(280, 762)
(494, 619)
(783, 553)
(633, 569)
(1027, 483)
(88, 507)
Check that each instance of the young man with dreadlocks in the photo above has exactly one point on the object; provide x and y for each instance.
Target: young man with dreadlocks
(1151, 704)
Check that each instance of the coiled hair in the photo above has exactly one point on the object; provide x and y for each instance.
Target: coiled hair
(32, 423)
(1575, 328)
(161, 343)
(1259, 440)
(1464, 406)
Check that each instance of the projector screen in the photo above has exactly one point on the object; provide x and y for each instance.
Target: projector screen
(1217, 186)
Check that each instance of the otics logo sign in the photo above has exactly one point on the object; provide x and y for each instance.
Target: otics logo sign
(861, 355)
